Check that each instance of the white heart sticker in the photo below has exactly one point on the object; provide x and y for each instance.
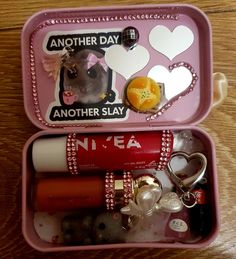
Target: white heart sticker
(175, 81)
(126, 62)
(171, 43)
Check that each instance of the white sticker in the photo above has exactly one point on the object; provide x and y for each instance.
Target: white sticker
(171, 43)
(178, 225)
(127, 62)
(180, 74)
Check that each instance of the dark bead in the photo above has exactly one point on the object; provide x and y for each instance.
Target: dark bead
(108, 228)
(130, 36)
(77, 229)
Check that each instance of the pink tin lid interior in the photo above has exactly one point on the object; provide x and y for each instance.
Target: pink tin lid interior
(174, 49)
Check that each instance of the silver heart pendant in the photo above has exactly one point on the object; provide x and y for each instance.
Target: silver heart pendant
(187, 184)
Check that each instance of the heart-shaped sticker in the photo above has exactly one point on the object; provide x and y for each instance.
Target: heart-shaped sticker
(171, 43)
(176, 81)
(126, 62)
(188, 183)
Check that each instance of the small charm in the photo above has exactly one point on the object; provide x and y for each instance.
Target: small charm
(146, 200)
(149, 201)
(186, 142)
(170, 202)
(143, 94)
(130, 37)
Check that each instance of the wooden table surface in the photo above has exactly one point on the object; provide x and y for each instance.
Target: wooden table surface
(15, 129)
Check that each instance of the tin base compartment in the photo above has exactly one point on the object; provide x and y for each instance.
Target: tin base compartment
(160, 234)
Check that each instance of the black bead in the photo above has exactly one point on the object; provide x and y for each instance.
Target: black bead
(130, 36)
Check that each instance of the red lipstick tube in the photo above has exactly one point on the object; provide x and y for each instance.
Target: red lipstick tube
(104, 151)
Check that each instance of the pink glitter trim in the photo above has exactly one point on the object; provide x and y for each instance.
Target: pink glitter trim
(95, 19)
(128, 187)
(112, 18)
(166, 149)
(71, 154)
(110, 190)
(176, 98)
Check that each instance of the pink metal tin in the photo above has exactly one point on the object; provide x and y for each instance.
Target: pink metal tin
(44, 35)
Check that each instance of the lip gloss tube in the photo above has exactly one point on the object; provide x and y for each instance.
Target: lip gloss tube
(58, 194)
(103, 151)
(70, 193)
(201, 214)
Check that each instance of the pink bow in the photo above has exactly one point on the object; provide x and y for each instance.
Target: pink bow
(93, 60)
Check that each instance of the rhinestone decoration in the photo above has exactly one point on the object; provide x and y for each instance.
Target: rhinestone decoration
(110, 190)
(71, 154)
(166, 142)
(184, 93)
(128, 186)
(94, 19)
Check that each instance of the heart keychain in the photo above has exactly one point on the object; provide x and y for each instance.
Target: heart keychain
(186, 185)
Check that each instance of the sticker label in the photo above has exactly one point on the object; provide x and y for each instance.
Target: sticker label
(85, 87)
(100, 40)
(178, 225)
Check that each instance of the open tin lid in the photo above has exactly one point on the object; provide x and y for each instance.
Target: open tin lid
(83, 67)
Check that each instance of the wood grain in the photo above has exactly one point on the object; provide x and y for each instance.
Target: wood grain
(15, 129)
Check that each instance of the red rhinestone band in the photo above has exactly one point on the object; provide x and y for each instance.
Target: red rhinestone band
(110, 190)
(71, 154)
(128, 186)
(166, 142)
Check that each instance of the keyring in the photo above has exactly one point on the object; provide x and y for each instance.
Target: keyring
(186, 185)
